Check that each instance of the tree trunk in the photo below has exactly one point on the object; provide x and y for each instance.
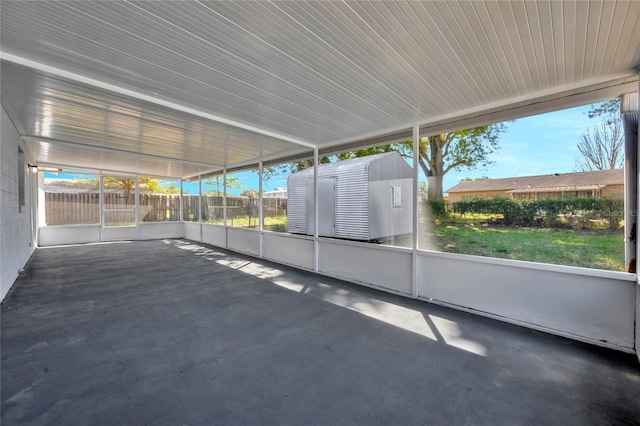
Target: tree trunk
(434, 179)
(434, 190)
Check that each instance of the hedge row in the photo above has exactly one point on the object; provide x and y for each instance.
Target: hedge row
(530, 210)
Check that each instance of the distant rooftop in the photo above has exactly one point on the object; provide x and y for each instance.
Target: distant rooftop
(553, 181)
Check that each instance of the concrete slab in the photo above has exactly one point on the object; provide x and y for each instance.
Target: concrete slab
(179, 333)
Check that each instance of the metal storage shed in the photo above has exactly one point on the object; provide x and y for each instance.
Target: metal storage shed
(366, 198)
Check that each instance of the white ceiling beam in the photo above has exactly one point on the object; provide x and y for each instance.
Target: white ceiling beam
(497, 112)
(100, 170)
(40, 139)
(514, 111)
(147, 98)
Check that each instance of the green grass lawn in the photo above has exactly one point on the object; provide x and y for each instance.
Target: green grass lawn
(271, 223)
(589, 249)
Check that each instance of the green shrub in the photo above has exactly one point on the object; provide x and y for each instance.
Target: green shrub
(549, 211)
(438, 208)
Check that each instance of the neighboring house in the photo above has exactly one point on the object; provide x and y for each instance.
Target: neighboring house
(276, 193)
(605, 183)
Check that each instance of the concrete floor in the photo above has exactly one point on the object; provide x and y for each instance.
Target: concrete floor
(177, 333)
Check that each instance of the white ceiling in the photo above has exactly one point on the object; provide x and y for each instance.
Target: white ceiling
(180, 88)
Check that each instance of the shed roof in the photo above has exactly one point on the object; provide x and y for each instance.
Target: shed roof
(345, 166)
(544, 183)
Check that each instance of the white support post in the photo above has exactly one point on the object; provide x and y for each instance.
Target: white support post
(101, 203)
(200, 205)
(224, 207)
(636, 177)
(224, 197)
(181, 202)
(416, 212)
(196, 217)
(182, 208)
(316, 245)
(33, 207)
(136, 206)
(42, 217)
(630, 186)
(260, 210)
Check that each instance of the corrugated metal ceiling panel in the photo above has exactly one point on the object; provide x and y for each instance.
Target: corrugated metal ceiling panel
(58, 111)
(68, 156)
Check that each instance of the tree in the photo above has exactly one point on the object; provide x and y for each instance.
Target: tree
(169, 188)
(285, 169)
(296, 166)
(370, 151)
(609, 109)
(129, 184)
(251, 193)
(422, 189)
(217, 181)
(438, 154)
(601, 147)
(468, 179)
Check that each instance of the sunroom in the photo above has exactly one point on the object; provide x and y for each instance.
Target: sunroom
(128, 126)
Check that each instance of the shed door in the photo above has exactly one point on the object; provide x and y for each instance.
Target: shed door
(326, 207)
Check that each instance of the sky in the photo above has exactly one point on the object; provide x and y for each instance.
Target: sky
(537, 145)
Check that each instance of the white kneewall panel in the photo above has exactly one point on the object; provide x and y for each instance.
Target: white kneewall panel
(214, 234)
(191, 231)
(590, 305)
(379, 266)
(16, 239)
(244, 240)
(70, 234)
(155, 230)
(119, 233)
(288, 249)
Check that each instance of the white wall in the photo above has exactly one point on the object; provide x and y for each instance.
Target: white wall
(16, 240)
(192, 231)
(68, 234)
(82, 234)
(288, 249)
(383, 267)
(155, 230)
(244, 240)
(214, 234)
(589, 305)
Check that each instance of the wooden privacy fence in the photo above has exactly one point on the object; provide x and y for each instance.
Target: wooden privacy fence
(237, 206)
(71, 209)
(84, 208)
(159, 208)
(274, 207)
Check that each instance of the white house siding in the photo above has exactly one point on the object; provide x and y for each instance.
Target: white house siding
(16, 240)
